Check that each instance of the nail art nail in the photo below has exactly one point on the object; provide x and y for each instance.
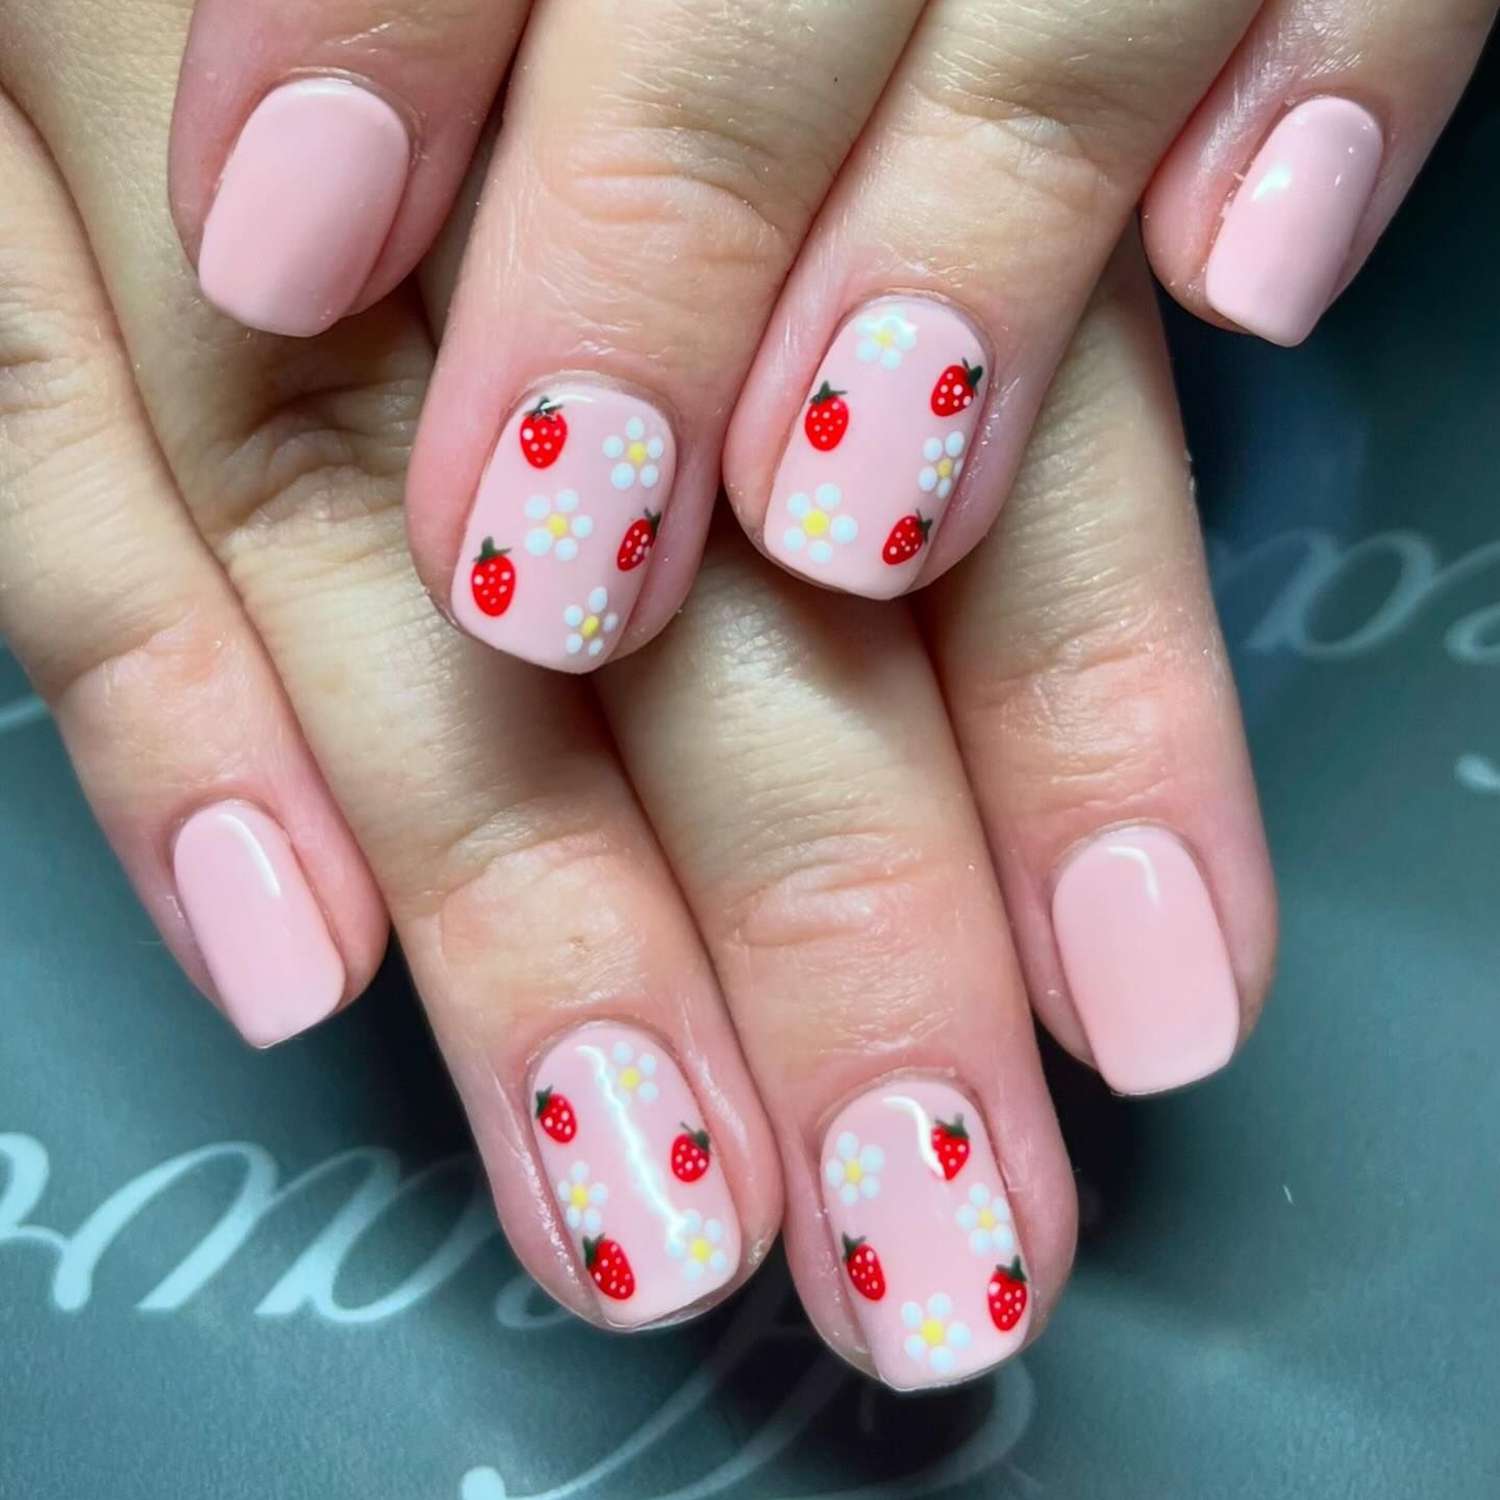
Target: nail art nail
(1285, 241)
(256, 922)
(639, 1184)
(922, 1224)
(1145, 961)
(304, 207)
(879, 449)
(562, 530)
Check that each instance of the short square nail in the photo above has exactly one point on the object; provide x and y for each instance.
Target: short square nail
(879, 447)
(921, 1222)
(256, 922)
(638, 1181)
(560, 537)
(1284, 245)
(304, 206)
(1145, 961)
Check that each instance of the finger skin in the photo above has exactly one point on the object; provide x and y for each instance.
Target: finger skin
(337, 135)
(1254, 223)
(658, 165)
(170, 711)
(852, 915)
(1090, 691)
(526, 887)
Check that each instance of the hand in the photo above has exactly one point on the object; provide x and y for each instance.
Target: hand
(753, 854)
(833, 251)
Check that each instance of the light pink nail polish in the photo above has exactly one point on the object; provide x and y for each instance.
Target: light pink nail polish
(256, 922)
(1284, 245)
(303, 209)
(1145, 961)
(879, 447)
(921, 1222)
(636, 1175)
(561, 533)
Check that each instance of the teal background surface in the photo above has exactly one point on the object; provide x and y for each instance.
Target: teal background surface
(1289, 1279)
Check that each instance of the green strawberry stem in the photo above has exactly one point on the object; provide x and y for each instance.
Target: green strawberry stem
(543, 1099)
(489, 551)
(1013, 1270)
(545, 407)
(957, 1129)
(591, 1250)
(653, 520)
(925, 522)
(698, 1137)
(973, 374)
(825, 394)
(850, 1246)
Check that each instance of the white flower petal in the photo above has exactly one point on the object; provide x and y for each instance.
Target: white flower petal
(655, 448)
(692, 1269)
(609, 623)
(583, 526)
(649, 475)
(849, 1193)
(596, 646)
(967, 1217)
(567, 501)
(798, 505)
(538, 507)
(844, 529)
(954, 443)
(580, 1171)
(635, 429)
(573, 644)
(574, 1218)
(566, 549)
(648, 1061)
(829, 497)
(598, 1193)
(592, 1220)
(598, 598)
(648, 1090)
(675, 1248)
(927, 480)
(979, 1195)
(944, 489)
(622, 1053)
(718, 1262)
(958, 1335)
(867, 351)
(872, 1158)
(834, 1172)
(713, 1231)
(820, 552)
(911, 1314)
(847, 1145)
(906, 333)
(1002, 1241)
(891, 359)
(564, 1188)
(794, 539)
(870, 1186)
(692, 1221)
(916, 1346)
(932, 449)
(538, 542)
(939, 1305)
(979, 1242)
(622, 476)
(614, 446)
(573, 616)
(941, 1359)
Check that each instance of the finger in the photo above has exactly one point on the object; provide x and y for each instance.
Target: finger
(1278, 188)
(853, 917)
(534, 910)
(174, 719)
(316, 149)
(658, 166)
(1087, 679)
(940, 286)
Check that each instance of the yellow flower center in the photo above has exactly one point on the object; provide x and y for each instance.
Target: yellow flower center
(986, 1218)
(932, 1331)
(631, 1076)
(945, 467)
(853, 1171)
(816, 523)
(637, 454)
(885, 336)
(557, 525)
(579, 1195)
(699, 1248)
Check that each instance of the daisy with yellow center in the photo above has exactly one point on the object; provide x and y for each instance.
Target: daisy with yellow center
(635, 1072)
(934, 1335)
(985, 1218)
(698, 1243)
(637, 457)
(944, 464)
(854, 1169)
(556, 527)
(589, 624)
(818, 523)
(581, 1198)
(885, 339)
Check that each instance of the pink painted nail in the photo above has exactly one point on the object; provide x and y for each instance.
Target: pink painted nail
(1284, 245)
(637, 1179)
(256, 922)
(303, 209)
(921, 1222)
(562, 530)
(880, 446)
(1146, 961)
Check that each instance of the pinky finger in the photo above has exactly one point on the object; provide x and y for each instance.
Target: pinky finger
(173, 717)
(1276, 191)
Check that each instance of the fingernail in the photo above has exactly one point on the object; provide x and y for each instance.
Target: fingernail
(256, 922)
(921, 1222)
(562, 529)
(879, 447)
(1145, 961)
(303, 209)
(1284, 245)
(638, 1181)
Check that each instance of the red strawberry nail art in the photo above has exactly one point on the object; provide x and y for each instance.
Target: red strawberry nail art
(543, 434)
(864, 1268)
(1007, 1293)
(955, 388)
(950, 1143)
(607, 1264)
(638, 540)
(827, 418)
(908, 537)
(690, 1154)
(494, 578)
(555, 1115)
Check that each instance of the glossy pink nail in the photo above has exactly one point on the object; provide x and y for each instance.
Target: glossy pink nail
(256, 922)
(880, 447)
(1285, 241)
(1145, 961)
(638, 1182)
(304, 206)
(921, 1221)
(561, 533)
